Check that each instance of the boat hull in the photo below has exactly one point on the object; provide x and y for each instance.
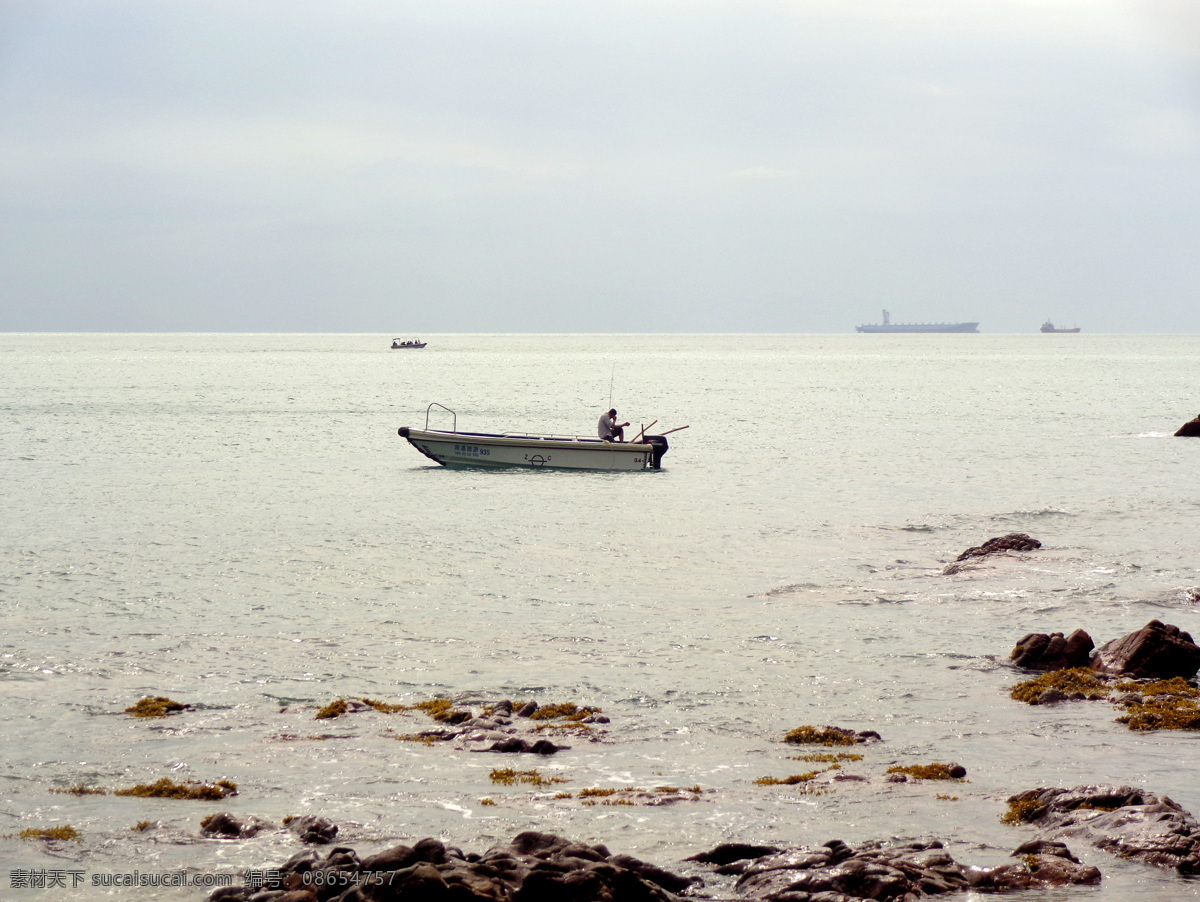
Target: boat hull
(907, 328)
(489, 451)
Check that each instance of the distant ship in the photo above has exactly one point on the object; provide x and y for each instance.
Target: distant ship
(1048, 326)
(889, 326)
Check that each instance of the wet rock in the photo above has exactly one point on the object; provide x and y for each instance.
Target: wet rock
(1052, 697)
(225, 824)
(1190, 428)
(1038, 870)
(516, 745)
(314, 830)
(727, 853)
(1123, 820)
(873, 870)
(1053, 651)
(1157, 651)
(838, 872)
(527, 709)
(535, 866)
(228, 894)
(1044, 847)
(1014, 541)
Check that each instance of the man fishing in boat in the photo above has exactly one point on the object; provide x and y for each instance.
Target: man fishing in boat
(608, 429)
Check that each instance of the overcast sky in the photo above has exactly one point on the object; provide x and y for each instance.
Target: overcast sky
(578, 166)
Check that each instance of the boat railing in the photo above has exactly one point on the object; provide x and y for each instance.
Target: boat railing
(525, 436)
(453, 428)
(548, 438)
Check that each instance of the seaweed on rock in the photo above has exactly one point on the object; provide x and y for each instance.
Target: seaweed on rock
(80, 789)
(166, 788)
(1171, 704)
(1078, 682)
(52, 834)
(786, 781)
(935, 771)
(828, 736)
(158, 706)
(334, 709)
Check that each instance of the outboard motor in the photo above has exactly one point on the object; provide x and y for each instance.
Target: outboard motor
(660, 446)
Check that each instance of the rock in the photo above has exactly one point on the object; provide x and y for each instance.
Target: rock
(1125, 821)
(727, 853)
(228, 894)
(873, 870)
(1037, 871)
(1156, 651)
(517, 745)
(1190, 428)
(1044, 847)
(397, 858)
(1052, 697)
(317, 831)
(1014, 541)
(225, 824)
(536, 867)
(838, 872)
(1053, 651)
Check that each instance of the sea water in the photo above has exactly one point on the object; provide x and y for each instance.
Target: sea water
(232, 521)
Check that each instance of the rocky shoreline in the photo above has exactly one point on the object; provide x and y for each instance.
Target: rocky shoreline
(1146, 672)
(1120, 820)
(540, 866)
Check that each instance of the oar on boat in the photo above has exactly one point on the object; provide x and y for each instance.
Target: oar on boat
(669, 431)
(642, 434)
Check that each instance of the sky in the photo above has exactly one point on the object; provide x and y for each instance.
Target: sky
(409, 167)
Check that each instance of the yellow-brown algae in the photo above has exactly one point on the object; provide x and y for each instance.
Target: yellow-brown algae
(52, 834)
(80, 790)
(809, 735)
(786, 781)
(334, 709)
(166, 788)
(1076, 681)
(158, 706)
(935, 771)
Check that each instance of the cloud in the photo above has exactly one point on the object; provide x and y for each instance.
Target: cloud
(493, 158)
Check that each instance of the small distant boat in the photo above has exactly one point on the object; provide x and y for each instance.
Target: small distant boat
(455, 449)
(397, 344)
(887, 326)
(1048, 326)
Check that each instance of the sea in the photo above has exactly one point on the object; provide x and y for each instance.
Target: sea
(231, 521)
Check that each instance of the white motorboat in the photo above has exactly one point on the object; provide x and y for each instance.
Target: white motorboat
(452, 448)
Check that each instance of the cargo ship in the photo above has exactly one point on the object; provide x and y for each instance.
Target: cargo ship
(889, 326)
(1048, 326)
